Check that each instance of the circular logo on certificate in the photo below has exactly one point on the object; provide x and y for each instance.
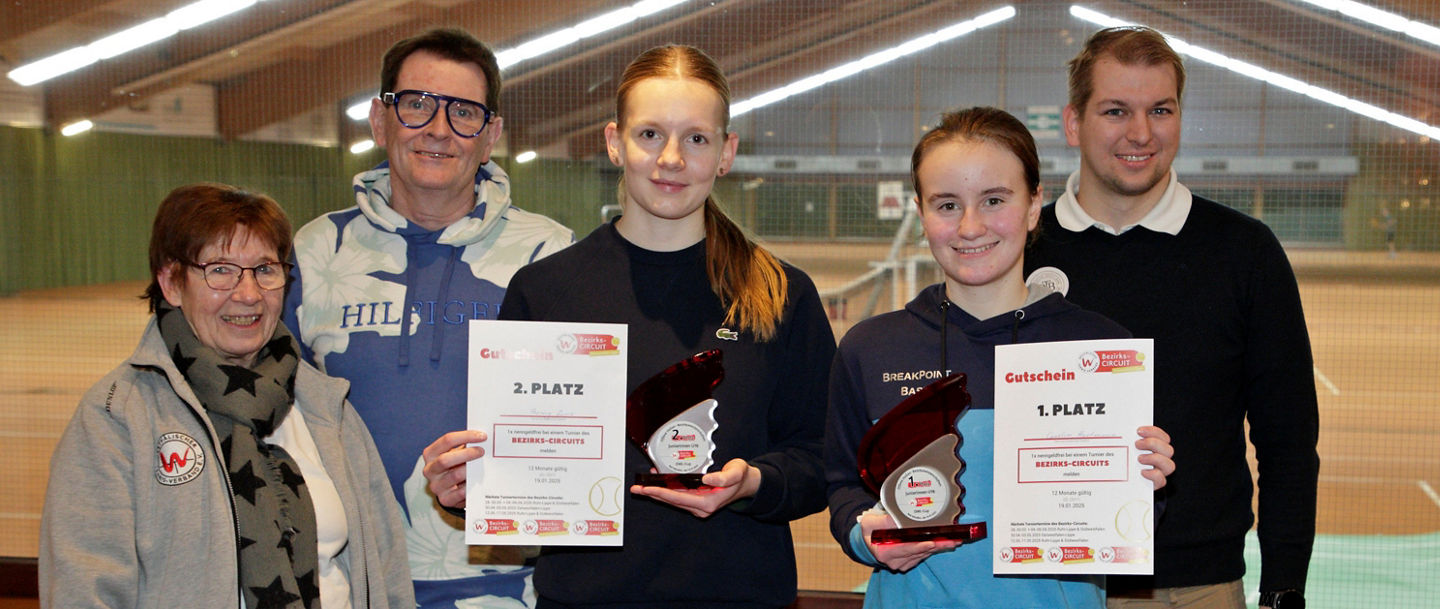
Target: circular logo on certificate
(179, 459)
(1054, 555)
(683, 447)
(1089, 361)
(566, 343)
(529, 527)
(580, 527)
(1006, 554)
(922, 493)
(1106, 554)
(605, 496)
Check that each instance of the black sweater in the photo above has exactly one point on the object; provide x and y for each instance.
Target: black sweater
(771, 413)
(1222, 304)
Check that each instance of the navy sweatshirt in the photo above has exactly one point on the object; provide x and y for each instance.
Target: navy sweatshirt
(884, 359)
(771, 412)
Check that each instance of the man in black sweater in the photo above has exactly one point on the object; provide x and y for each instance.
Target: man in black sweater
(1214, 289)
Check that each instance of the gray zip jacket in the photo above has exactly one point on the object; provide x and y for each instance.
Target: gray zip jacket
(138, 511)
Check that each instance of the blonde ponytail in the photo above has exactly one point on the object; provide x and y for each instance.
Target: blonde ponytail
(747, 278)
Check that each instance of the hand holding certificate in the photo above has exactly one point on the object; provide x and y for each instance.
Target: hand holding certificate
(1070, 495)
(550, 396)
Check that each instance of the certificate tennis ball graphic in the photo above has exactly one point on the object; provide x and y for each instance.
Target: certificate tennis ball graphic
(605, 496)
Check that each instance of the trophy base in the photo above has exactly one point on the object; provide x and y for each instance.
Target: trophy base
(950, 532)
(672, 481)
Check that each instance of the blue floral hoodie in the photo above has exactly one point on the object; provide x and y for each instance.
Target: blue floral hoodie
(386, 304)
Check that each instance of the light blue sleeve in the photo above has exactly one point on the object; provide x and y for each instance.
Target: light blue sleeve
(860, 549)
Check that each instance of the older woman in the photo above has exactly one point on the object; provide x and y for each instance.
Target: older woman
(213, 466)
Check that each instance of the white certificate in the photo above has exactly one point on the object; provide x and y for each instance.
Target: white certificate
(1069, 497)
(551, 396)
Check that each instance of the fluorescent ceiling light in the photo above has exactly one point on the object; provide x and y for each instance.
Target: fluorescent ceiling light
(1380, 18)
(133, 38)
(1274, 78)
(873, 60)
(584, 29)
(362, 146)
(526, 157)
(52, 66)
(556, 40)
(77, 127)
(126, 40)
(358, 112)
(205, 11)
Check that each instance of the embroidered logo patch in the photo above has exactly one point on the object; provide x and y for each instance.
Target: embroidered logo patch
(179, 459)
(727, 334)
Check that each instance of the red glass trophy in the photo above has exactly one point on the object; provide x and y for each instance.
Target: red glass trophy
(908, 458)
(671, 417)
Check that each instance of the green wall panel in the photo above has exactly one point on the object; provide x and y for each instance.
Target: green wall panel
(20, 170)
(571, 192)
(77, 210)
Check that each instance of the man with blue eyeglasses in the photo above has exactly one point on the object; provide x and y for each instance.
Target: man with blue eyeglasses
(383, 291)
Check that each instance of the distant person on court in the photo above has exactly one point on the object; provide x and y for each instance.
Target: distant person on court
(977, 188)
(385, 289)
(686, 279)
(1390, 224)
(214, 468)
(1215, 291)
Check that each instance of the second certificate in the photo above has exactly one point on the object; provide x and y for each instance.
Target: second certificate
(1069, 497)
(551, 396)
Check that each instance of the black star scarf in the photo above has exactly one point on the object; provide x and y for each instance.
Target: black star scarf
(277, 541)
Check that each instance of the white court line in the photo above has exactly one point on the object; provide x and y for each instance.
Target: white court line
(1328, 385)
(1366, 480)
(1425, 486)
(1331, 459)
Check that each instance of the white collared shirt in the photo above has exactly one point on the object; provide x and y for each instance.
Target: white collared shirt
(1168, 215)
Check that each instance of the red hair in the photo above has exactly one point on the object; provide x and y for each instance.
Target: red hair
(194, 216)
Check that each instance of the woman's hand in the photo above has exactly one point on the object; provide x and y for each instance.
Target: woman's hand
(1156, 441)
(445, 460)
(737, 480)
(898, 557)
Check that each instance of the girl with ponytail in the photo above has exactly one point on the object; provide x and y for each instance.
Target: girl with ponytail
(747, 279)
(686, 279)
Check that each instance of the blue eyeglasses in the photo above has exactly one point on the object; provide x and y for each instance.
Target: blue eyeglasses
(415, 109)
